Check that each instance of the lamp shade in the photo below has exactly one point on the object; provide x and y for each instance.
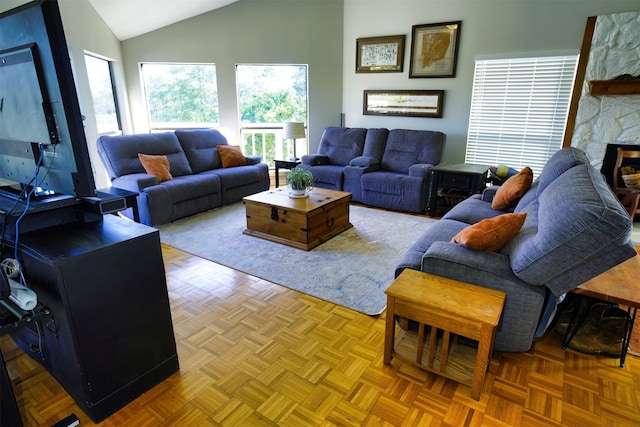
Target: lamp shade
(293, 130)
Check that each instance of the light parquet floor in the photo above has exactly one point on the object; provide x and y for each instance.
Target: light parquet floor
(253, 353)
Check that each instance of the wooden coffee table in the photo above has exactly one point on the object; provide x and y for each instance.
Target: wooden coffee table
(301, 223)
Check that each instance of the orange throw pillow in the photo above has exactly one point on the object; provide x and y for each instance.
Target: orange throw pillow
(231, 155)
(491, 234)
(512, 190)
(156, 165)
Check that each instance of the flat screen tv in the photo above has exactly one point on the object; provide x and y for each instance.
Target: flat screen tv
(43, 148)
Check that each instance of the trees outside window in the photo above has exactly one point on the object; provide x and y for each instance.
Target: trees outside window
(103, 94)
(269, 95)
(181, 95)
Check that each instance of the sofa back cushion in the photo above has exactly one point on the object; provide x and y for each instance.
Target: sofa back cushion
(375, 142)
(341, 144)
(575, 230)
(561, 161)
(120, 153)
(199, 145)
(406, 147)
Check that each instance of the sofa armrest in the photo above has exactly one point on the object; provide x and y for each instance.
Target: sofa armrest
(253, 160)
(489, 193)
(135, 181)
(315, 159)
(369, 164)
(422, 170)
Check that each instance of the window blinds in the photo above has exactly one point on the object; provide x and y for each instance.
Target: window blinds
(519, 110)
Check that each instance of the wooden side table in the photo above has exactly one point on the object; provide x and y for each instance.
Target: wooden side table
(284, 164)
(464, 178)
(448, 307)
(618, 285)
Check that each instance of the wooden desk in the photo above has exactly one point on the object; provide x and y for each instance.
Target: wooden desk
(619, 285)
(453, 307)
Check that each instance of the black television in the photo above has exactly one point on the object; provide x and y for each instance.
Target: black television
(43, 148)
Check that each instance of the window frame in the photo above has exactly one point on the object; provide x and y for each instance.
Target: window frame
(114, 92)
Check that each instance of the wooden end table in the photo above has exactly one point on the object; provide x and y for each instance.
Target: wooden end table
(618, 285)
(449, 306)
(464, 178)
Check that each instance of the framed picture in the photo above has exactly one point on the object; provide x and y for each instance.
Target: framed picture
(434, 49)
(380, 54)
(412, 103)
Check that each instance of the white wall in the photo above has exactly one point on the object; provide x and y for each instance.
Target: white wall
(250, 31)
(489, 27)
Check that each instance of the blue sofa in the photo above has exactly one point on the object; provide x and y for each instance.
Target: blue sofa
(574, 230)
(389, 169)
(199, 182)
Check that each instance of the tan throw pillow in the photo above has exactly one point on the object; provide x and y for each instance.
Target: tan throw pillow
(490, 234)
(512, 190)
(156, 165)
(231, 155)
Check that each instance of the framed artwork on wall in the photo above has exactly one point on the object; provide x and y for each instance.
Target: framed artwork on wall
(434, 49)
(411, 103)
(380, 54)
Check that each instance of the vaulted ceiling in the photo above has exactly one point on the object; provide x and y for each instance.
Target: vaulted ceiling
(130, 18)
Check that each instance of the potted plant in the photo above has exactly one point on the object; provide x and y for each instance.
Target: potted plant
(300, 182)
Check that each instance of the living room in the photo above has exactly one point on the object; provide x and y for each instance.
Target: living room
(322, 34)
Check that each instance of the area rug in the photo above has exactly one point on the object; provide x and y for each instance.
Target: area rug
(352, 269)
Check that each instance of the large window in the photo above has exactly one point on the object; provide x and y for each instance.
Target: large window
(103, 94)
(268, 96)
(181, 95)
(519, 109)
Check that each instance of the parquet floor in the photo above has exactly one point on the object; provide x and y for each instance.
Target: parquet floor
(253, 353)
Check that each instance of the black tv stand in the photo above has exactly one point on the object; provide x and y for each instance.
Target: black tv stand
(110, 336)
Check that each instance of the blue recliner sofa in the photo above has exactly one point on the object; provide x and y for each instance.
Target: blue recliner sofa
(575, 229)
(199, 180)
(384, 168)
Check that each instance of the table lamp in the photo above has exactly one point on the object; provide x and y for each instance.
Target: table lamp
(293, 130)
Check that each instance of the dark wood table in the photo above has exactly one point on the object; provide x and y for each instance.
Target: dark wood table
(464, 178)
(284, 164)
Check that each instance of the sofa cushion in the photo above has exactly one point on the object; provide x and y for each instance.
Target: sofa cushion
(156, 165)
(490, 234)
(120, 153)
(231, 156)
(509, 193)
(341, 145)
(576, 220)
(406, 147)
(199, 146)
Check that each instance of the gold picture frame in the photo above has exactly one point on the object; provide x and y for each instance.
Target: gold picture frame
(434, 49)
(411, 103)
(380, 54)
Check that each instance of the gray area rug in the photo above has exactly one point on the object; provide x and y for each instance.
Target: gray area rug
(352, 269)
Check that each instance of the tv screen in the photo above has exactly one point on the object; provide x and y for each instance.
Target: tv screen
(42, 140)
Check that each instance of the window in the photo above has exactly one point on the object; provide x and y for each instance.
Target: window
(519, 110)
(103, 94)
(269, 95)
(181, 95)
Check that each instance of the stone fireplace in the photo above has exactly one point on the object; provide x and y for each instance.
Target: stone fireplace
(603, 120)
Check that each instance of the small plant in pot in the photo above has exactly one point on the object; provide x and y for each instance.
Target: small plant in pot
(300, 182)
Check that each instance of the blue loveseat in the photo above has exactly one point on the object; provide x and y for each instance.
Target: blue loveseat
(199, 183)
(575, 229)
(389, 169)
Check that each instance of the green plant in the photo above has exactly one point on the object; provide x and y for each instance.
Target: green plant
(299, 179)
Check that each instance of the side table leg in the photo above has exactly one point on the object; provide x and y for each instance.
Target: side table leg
(390, 329)
(485, 342)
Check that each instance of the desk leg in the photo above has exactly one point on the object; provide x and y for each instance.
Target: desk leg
(390, 329)
(627, 336)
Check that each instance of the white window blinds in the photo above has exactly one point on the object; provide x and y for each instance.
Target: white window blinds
(519, 110)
